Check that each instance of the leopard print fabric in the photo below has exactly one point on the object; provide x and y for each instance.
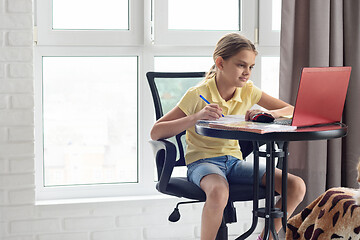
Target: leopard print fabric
(333, 215)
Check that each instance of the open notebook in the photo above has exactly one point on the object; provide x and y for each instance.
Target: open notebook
(237, 122)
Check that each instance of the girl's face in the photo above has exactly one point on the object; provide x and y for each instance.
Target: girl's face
(236, 70)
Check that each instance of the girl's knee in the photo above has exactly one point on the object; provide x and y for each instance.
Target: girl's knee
(217, 195)
(296, 187)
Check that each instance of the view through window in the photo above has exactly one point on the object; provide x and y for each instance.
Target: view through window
(95, 106)
(86, 141)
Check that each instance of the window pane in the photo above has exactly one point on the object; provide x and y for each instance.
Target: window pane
(276, 15)
(270, 75)
(183, 64)
(90, 120)
(204, 15)
(90, 14)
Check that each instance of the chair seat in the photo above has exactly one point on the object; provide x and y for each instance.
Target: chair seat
(181, 187)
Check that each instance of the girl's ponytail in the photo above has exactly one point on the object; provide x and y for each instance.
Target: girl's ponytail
(211, 73)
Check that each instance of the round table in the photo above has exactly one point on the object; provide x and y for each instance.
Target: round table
(281, 139)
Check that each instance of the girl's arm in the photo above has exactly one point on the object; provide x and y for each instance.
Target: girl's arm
(275, 107)
(176, 121)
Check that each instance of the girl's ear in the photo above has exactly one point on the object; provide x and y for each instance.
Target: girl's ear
(219, 63)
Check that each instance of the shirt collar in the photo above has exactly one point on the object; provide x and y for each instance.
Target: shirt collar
(215, 95)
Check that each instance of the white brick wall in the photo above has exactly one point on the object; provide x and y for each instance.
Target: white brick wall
(20, 218)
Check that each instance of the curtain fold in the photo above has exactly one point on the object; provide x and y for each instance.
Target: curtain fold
(320, 33)
(352, 107)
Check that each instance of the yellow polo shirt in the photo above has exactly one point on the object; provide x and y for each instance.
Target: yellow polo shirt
(199, 147)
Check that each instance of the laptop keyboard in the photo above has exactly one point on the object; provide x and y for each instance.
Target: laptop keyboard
(283, 121)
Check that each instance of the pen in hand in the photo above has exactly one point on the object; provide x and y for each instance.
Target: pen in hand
(207, 102)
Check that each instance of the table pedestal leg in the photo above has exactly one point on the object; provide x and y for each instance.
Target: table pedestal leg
(269, 213)
(255, 192)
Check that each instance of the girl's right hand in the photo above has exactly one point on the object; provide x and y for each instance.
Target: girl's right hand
(210, 112)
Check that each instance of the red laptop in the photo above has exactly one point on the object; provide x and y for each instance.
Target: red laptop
(321, 96)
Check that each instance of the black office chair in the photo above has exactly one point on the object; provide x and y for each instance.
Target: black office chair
(167, 89)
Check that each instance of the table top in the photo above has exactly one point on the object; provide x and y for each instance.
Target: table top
(335, 130)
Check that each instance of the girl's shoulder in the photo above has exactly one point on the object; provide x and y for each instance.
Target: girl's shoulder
(192, 92)
(249, 83)
(249, 90)
(248, 87)
(199, 87)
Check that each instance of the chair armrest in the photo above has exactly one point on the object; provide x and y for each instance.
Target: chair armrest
(165, 157)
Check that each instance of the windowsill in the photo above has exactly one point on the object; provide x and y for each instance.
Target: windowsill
(103, 200)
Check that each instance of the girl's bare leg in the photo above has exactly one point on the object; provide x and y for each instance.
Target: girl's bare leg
(216, 189)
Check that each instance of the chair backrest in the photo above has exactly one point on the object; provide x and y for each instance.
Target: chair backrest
(167, 88)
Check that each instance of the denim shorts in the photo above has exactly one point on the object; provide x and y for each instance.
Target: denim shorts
(232, 169)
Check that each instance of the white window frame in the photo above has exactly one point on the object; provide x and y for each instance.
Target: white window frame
(146, 185)
(119, 43)
(164, 36)
(267, 36)
(48, 36)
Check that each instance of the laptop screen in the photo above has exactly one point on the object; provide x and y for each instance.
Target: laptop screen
(321, 96)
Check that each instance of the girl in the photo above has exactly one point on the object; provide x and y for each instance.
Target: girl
(213, 163)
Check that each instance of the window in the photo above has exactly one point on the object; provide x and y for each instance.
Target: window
(95, 22)
(176, 23)
(197, 16)
(269, 22)
(276, 15)
(94, 109)
(113, 14)
(270, 75)
(85, 141)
